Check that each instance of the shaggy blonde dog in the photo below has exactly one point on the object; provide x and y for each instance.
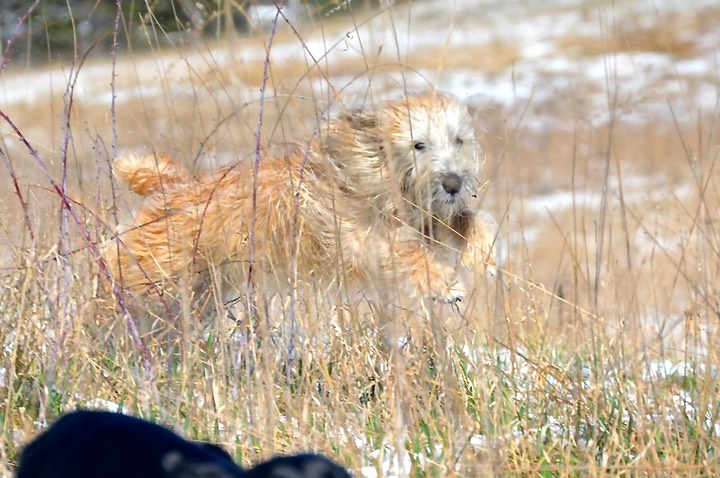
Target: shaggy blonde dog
(382, 198)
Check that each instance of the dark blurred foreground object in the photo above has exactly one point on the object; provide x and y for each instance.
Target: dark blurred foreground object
(97, 444)
(94, 444)
(298, 466)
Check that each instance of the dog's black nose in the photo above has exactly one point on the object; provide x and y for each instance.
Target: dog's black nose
(452, 183)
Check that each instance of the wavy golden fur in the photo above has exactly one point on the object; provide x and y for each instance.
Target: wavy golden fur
(380, 198)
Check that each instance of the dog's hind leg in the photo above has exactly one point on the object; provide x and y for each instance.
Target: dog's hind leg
(163, 245)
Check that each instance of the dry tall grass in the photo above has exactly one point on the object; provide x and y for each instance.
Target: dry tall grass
(592, 354)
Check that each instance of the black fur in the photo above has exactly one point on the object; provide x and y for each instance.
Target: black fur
(93, 444)
(298, 466)
(96, 444)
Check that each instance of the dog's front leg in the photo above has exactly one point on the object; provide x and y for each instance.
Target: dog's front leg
(409, 263)
(429, 276)
(479, 251)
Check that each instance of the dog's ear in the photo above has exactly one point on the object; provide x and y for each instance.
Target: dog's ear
(360, 120)
(368, 131)
(353, 127)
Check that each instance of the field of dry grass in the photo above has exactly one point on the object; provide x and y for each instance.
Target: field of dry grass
(591, 353)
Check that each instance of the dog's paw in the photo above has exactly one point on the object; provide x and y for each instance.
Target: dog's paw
(436, 280)
(455, 292)
(447, 287)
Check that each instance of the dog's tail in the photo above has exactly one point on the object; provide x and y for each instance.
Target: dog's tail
(145, 174)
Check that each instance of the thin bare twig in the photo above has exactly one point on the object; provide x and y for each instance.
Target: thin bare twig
(256, 163)
(18, 193)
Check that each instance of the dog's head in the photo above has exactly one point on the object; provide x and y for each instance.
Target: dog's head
(426, 145)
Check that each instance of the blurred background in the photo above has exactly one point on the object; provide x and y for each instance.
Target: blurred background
(55, 30)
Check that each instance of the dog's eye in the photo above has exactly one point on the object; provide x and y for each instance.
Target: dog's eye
(459, 141)
(419, 146)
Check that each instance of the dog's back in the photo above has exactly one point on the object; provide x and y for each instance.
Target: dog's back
(93, 444)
